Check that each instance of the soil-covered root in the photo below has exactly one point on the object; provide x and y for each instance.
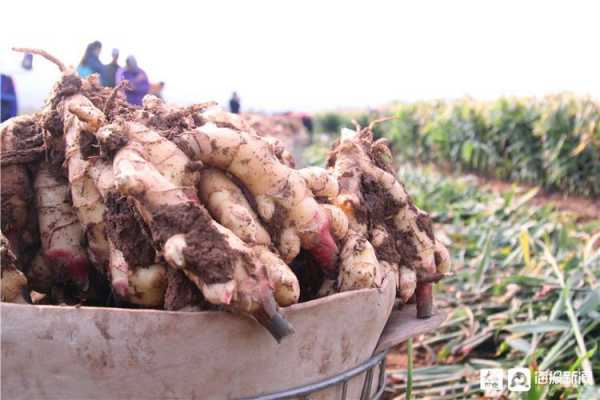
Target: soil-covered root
(135, 277)
(40, 274)
(407, 283)
(151, 205)
(13, 282)
(167, 119)
(219, 117)
(283, 198)
(127, 231)
(147, 285)
(87, 199)
(242, 284)
(163, 154)
(19, 217)
(359, 267)
(143, 286)
(228, 205)
(321, 181)
(282, 279)
(61, 232)
(86, 112)
(378, 206)
(132, 259)
(215, 259)
(22, 140)
(111, 101)
(339, 221)
(112, 228)
(282, 154)
(118, 272)
(181, 293)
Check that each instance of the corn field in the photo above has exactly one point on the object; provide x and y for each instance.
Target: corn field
(552, 142)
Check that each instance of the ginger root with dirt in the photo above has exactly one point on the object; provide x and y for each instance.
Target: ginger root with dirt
(191, 208)
(381, 214)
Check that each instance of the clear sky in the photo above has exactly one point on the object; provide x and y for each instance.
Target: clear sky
(307, 55)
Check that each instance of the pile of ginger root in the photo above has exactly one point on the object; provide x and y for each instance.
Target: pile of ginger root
(188, 208)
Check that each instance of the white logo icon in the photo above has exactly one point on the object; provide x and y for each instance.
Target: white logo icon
(519, 379)
(491, 381)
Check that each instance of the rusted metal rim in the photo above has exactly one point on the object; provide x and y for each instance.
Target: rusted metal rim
(342, 380)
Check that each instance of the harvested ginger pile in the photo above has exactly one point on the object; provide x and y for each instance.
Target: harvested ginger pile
(190, 208)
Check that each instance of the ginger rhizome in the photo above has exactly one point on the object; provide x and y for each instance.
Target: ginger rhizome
(283, 197)
(189, 208)
(12, 280)
(381, 212)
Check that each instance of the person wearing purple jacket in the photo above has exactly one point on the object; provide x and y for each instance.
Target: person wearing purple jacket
(138, 84)
(8, 97)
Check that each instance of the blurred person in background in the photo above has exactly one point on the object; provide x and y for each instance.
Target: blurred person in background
(156, 89)
(90, 63)
(234, 103)
(8, 96)
(110, 70)
(138, 84)
(8, 107)
(31, 82)
(308, 124)
(27, 63)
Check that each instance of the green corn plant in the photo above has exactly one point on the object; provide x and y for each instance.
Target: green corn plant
(553, 142)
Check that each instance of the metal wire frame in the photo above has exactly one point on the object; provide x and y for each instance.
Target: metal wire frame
(342, 379)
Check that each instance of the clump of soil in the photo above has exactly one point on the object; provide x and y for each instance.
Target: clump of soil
(88, 145)
(15, 185)
(114, 143)
(53, 123)
(125, 230)
(275, 226)
(425, 225)
(67, 86)
(207, 253)
(181, 292)
(382, 157)
(172, 123)
(29, 143)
